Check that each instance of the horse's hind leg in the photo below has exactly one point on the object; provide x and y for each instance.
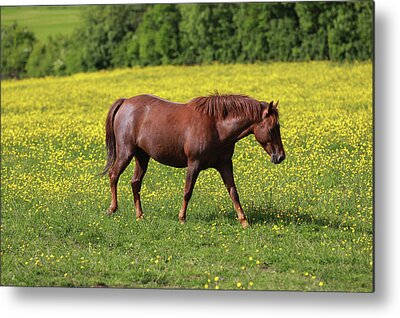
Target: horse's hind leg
(116, 170)
(142, 160)
(191, 177)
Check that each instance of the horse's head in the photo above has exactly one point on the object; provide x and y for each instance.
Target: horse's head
(267, 132)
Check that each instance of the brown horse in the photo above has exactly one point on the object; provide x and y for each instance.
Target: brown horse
(198, 135)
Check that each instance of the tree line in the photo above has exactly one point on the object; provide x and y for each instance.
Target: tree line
(115, 36)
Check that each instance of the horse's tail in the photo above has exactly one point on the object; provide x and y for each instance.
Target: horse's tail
(110, 138)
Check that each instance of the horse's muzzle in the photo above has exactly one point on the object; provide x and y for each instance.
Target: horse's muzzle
(276, 159)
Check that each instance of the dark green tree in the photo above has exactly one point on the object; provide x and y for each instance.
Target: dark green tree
(364, 29)
(251, 23)
(126, 54)
(208, 33)
(158, 35)
(223, 32)
(103, 29)
(16, 45)
(48, 58)
(282, 35)
(312, 30)
(341, 32)
(350, 32)
(195, 36)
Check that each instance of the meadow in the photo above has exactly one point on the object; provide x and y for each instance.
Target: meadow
(311, 216)
(44, 21)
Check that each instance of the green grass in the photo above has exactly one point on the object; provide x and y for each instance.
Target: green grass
(43, 21)
(311, 217)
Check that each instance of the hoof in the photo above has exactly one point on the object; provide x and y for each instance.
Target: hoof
(182, 217)
(244, 223)
(110, 211)
(182, 221)
(139, 218)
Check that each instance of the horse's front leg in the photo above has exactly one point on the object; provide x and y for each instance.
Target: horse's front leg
(191, 177)
(226, 171)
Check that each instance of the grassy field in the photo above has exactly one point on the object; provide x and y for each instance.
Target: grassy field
(311, 217)
(43, 21)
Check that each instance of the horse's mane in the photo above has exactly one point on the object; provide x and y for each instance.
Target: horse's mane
(221, 106)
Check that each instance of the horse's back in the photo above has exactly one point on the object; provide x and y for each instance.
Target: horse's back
(151, 100)
(153, 110)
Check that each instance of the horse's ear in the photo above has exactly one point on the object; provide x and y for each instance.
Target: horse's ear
(276, 104)
(267, 110)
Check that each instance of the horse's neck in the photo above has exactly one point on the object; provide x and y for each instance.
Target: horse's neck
(234, 129)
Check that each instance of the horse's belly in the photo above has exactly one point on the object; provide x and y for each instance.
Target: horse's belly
(173, 162)
(171, 156)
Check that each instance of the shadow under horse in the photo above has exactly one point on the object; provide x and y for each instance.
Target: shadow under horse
(200, 134)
